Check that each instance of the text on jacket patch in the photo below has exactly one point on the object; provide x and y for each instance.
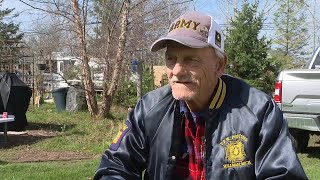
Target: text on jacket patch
(234, 151)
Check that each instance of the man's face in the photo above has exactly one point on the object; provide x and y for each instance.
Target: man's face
(192, 72)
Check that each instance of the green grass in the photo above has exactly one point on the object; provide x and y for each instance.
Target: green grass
(49, 170)
(311, 162)
(71, 132)
(78, 132)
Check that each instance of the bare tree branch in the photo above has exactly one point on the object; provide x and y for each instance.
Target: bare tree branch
(59, 13)
(117, 19)
(156, 10)
(136, 5)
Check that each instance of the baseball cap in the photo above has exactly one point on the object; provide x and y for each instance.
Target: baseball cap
(193, 29)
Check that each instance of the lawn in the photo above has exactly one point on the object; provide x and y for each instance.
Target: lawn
(69, 146)
(49, 170)
(58, 145)
(310, 160)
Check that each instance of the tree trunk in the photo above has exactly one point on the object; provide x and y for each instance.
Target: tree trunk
(139, 80)
(88, 85)
(106, 78)
(107, 98)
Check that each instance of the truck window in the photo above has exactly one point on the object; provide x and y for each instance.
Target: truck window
(314, 63)
(317, 63)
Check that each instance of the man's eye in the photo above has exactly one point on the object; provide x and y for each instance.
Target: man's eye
(191, 60)
(169, 59)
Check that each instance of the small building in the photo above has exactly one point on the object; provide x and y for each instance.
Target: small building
(160, 76)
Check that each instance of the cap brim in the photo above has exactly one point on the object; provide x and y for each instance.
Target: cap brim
(187, 41)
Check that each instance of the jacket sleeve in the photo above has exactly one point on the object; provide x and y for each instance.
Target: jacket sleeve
(126, 158)
(275, 157)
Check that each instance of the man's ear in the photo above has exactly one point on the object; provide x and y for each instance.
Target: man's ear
(222, 64)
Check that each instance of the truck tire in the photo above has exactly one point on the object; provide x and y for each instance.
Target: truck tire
(300, 139)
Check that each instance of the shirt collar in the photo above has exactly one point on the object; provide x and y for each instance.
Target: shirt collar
(217, 99)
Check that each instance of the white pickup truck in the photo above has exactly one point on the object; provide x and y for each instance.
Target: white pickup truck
(297, 93)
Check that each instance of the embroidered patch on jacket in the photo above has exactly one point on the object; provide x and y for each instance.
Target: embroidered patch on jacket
(235, 154)
(117, 139)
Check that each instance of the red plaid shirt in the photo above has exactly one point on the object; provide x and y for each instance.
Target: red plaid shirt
(191, 163)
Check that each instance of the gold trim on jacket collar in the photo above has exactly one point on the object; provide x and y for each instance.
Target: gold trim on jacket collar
(219, 96)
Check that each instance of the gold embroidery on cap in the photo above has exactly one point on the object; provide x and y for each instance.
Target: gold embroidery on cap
(182, 23)
(185, 24)
(177, 24)
(171, 27)
(218, 39)
(204, 32)
(234, 151)
(195, 25)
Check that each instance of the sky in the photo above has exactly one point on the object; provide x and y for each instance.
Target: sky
(218, 9)
(27, 16)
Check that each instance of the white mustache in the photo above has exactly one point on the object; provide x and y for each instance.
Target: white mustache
(184, 79)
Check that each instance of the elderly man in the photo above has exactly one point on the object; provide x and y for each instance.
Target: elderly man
(204, 124)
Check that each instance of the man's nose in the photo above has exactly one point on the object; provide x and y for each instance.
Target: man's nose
(178, 69)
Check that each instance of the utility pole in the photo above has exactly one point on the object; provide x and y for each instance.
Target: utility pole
(33, 82)
(313, 14)
(314, 24)
(228, 12)
(169, 9)
(194, 5)
(51, 79)
(139, 75)
(235, 8)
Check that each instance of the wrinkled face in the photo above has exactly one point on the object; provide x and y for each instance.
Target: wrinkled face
(192, 72)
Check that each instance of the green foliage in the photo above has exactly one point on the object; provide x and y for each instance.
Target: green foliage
(291, 31)
(72, 72)
(9, 35)
(50, 170)
(281, 61)
(247, 53)
(277, 62)
(127, 92)
(147, 79)
(8, 31)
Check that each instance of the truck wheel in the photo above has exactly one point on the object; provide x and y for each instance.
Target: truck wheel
(300, 139)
